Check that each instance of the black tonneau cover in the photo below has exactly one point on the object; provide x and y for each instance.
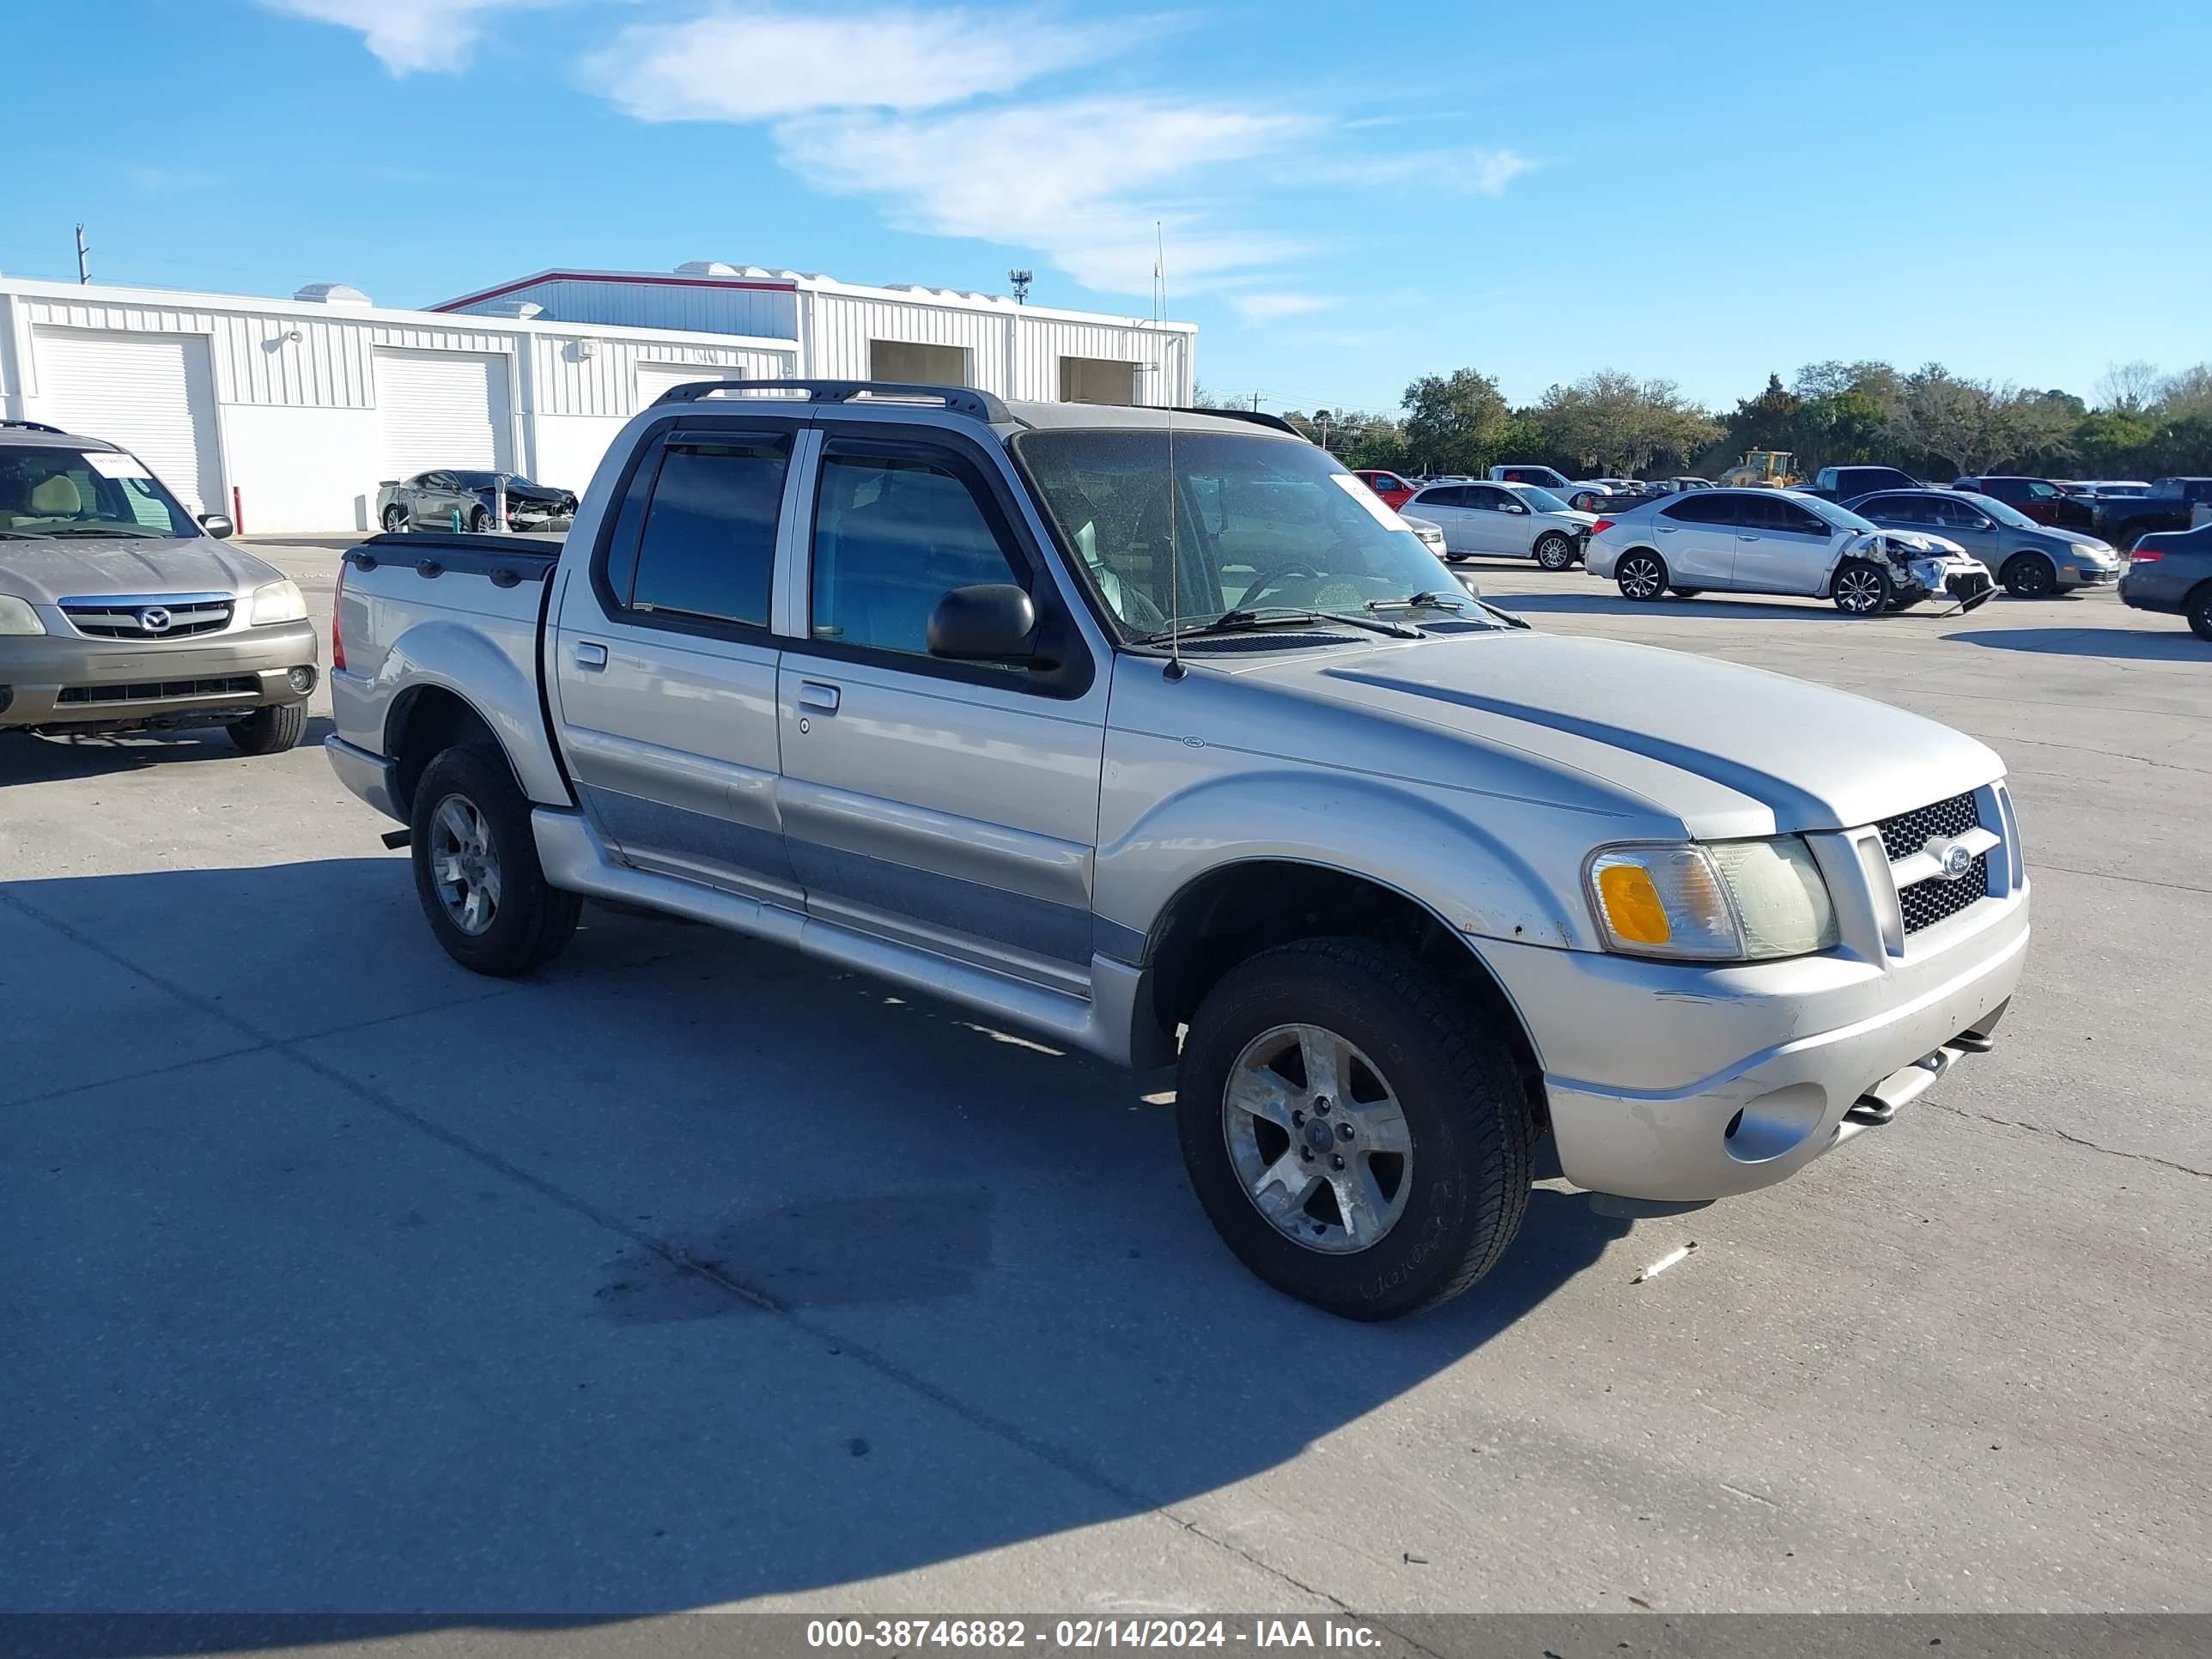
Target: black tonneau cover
(506, 560)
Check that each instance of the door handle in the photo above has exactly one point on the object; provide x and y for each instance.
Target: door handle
(1742, 538)
(591, 655)
(822, 699)
(1664, 529)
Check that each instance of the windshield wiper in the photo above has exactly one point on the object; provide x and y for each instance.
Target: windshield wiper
(1233, 621)
(26, 535)
(109, 529)
(1424, 600)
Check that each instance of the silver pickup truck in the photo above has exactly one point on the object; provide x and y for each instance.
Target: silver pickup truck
(1157, 734)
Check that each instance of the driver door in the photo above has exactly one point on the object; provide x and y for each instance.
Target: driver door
(1500, 521)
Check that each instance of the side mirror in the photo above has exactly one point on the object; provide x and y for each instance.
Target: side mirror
(218, 525)
(387, 484)
(990, 621)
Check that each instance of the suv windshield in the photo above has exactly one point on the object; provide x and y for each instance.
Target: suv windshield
(1261, 524)
(2001, 511)
(1541, 500)
(49, 490)
(1841, 517)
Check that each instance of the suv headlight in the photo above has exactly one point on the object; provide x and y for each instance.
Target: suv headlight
(16, 616)
(1729, 900)
(279, 602)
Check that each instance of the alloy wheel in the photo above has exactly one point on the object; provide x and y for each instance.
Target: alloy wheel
(1318, 1138)
(1859, 591)
(465, 864)
(1640, 577)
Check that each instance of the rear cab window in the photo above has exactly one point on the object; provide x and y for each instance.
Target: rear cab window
(693, 544)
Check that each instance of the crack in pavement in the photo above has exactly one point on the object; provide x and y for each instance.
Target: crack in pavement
(2114, 875)
(2073, 1140)
(754, 1296)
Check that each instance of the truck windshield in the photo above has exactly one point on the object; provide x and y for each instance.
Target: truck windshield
(51, 491)
(1259, 523)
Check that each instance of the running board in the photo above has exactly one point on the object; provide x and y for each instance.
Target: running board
(1104, 1024)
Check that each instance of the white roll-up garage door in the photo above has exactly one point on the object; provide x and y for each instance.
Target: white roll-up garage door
(654, 379)
(441, 408)
(152, 393)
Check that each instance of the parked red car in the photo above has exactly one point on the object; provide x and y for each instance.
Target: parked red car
(1389, 486)
(2039, 498)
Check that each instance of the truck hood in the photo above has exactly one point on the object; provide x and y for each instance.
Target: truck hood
(45, 572)
(1721, 749)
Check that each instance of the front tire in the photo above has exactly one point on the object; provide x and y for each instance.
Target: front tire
(2030, 576)
(1355, 1127)
(479, 520)
(1642, 576)
(1555, 552)
(477, 871)
(270, 731)
(1682, 592)
(395, 519)
(1861, 588)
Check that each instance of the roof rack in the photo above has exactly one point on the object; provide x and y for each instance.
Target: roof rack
(957, 399)
(34, 426)
(1251, 415)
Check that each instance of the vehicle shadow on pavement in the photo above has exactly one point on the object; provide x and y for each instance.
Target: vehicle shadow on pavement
(690, 1273)
(2116, 644)
(25, 758)
(1609, 604)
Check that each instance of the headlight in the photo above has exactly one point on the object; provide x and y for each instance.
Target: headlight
(16, 616)
(279, 602)
(1729, 900)
(2089, 555)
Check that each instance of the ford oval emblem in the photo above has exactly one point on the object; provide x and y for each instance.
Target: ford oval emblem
(1957, 860)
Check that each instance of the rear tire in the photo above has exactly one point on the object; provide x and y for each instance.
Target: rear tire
(470, 835)
(1642, 575)
(1555, 552)
(1861, 588)
(270, 731)
(2197, 607)
(395, 519)
(2030, 576)
(1418, 1065)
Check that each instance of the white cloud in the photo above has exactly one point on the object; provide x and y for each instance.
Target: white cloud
(1273, 307)
(408, 35)
(751, 62)
(1084, 181)
(1470, 170)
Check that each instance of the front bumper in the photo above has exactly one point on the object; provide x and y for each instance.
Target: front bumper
(2077, 574)
(1659, 1087)
(61, 680)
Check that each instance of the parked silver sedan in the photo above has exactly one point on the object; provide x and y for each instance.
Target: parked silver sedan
(2031, 560)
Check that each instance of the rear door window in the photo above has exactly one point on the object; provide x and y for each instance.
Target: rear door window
(707, 546)
(1701, 509)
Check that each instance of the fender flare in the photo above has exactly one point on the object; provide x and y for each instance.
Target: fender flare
(1471, 881)
(456, 659)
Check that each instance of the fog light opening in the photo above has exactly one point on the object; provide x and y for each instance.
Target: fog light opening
(302, 680)
(1776, 1124)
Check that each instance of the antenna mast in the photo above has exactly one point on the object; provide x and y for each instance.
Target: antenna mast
(1175, 670)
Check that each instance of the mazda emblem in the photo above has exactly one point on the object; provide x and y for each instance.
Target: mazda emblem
(154, 619)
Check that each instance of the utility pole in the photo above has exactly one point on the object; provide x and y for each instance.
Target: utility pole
(83, 269)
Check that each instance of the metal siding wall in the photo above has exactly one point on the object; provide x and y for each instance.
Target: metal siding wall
(844, 324)
(605, 383)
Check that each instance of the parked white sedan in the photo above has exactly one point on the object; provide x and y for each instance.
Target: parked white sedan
(1504, 522)
(1774, 541)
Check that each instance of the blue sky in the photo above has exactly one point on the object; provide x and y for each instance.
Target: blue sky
(1351, 195)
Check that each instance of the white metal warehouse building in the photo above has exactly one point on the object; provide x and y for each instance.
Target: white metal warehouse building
(287, 413)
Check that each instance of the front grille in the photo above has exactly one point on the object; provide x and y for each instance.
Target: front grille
(1927, 902)
(1908, 832)
(160, 691)
(128, 619)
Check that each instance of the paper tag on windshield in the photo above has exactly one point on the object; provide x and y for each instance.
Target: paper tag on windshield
(112, 463)
(1367, 498)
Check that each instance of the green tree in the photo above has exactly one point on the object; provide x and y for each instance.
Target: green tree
(1453, 423)
(1615, 423)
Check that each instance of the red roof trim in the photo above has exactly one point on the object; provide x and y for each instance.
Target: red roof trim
(612, 276)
